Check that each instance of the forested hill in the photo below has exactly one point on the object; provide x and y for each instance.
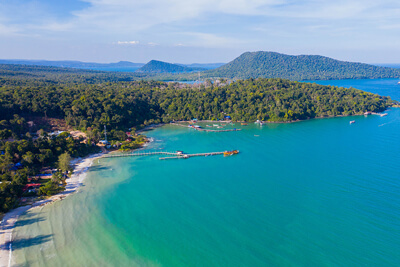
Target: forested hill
(298, 68)
(127, 104)
(155, 66)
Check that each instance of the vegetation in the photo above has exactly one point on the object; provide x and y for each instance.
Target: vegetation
(297, 68)
(159, 66)
(27, 157)
(123, 105)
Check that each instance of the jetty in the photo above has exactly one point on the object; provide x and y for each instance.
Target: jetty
(174, 155)
(206, 130)
(140, 154)
(186, 156)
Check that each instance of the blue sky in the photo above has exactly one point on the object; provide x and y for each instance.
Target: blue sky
(188, 31)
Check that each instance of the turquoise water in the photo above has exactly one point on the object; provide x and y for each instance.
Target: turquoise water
(314, 193)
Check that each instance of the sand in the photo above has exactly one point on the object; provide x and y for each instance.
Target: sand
(9, 220)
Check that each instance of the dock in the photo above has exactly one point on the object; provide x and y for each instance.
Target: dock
(139, 154)
(174, 155)
(186, 156)
(207, 130)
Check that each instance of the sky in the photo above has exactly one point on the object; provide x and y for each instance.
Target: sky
(198, 31)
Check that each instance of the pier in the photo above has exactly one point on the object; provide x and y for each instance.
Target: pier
(186, 156)
(174, 155)
(138, 154)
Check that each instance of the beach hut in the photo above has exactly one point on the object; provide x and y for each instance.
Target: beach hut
(31, 188)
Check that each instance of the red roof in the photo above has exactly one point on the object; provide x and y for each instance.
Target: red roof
(30, 185)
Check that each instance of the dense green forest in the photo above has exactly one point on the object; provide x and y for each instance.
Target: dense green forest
(297, 68)
(126, 105)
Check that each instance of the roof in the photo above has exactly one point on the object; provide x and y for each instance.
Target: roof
(27, 186)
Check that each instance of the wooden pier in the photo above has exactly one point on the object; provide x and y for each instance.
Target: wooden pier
(175, 155)
(138, 154)
(206, 130)
(186, 156)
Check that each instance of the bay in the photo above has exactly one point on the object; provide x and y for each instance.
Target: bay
(315, 193)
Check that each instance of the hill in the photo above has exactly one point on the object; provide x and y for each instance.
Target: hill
(155, 66)
(304, 67)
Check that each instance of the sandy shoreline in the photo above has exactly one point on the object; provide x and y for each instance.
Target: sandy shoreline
(10, 218)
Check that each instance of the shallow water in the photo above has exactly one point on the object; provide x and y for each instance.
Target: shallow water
(314, 193)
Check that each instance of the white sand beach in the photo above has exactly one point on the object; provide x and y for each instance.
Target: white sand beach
(9, 220)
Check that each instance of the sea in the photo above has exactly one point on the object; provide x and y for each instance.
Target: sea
(321, 192)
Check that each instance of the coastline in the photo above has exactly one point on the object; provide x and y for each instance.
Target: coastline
(293, 121)
(81, 165)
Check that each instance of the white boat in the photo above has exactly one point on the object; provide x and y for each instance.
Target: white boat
(215, 125)
(351, 122)
(383, 114)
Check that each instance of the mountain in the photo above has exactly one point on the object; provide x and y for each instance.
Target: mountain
(304, 67)
(155, 66)
(207, 66)
(75, 64)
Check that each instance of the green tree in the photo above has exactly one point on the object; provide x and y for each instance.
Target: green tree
(64, 162)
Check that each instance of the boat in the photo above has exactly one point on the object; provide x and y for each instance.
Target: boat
(257, 121)
(230, 153)
(351, 122)
(208, 126)
(215, 125)
(243, 123)
(367, 113)
(383, 114)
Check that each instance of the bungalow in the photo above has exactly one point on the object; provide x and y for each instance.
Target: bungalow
(31, 188)
(104, 142)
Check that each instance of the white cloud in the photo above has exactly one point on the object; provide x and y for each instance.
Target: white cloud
(128, 42)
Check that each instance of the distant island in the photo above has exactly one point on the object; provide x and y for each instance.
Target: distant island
(248, 65)
(155, 66)
(298, 68)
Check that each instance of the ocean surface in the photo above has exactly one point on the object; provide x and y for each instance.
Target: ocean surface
(315, 193)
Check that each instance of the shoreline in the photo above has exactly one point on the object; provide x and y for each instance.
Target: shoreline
(81, 165)
(294, 121)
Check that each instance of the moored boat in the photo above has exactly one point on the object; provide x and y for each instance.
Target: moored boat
(230, 153)
(243, 123)
(351, 122)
